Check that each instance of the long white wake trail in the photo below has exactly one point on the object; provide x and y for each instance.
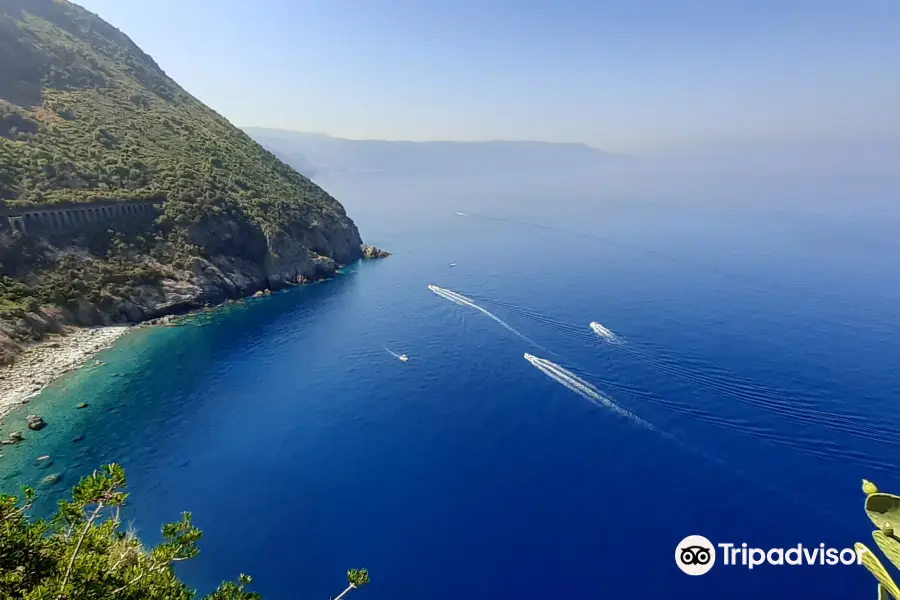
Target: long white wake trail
(467, 302)
(582, 388)
(394, 354)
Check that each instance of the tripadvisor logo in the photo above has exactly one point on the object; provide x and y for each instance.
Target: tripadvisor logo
(696, 555)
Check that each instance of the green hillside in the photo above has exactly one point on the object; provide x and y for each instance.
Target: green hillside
(86, 115)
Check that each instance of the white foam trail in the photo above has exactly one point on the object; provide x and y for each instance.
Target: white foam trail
(395, 355)
(582, 388)
(467, 302)
(603, 332)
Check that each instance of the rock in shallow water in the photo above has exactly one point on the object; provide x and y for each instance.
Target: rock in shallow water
(35, 422)
(52, 479)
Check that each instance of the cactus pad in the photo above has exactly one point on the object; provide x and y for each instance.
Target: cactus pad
(884, 511)
(889, 545)
(871, 562)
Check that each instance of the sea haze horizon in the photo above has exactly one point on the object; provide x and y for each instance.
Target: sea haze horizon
(738, 385)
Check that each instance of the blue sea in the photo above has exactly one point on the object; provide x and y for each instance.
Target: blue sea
(750, 385)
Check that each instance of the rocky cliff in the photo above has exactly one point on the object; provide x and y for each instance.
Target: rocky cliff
(86, 116)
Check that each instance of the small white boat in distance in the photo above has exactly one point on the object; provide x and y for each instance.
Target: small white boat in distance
(603, 331)
(452, 264)
(400, 357)
(462, 214)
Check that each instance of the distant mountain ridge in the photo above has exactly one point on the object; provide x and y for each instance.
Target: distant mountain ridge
(315, 153)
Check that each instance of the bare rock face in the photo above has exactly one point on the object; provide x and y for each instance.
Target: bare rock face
(323, 266)
(373, 252)
(286, 258)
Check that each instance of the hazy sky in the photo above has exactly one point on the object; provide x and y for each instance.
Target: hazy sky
(620, 75)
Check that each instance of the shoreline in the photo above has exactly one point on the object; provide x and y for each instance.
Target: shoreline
(43, 362)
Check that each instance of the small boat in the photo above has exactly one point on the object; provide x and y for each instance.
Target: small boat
(403, 357)
(452, 264)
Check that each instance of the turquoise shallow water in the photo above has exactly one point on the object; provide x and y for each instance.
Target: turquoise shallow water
(758, 339)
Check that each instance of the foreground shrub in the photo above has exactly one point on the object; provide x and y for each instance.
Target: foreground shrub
(82, 553)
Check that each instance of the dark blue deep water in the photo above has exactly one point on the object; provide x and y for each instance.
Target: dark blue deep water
(758, 338)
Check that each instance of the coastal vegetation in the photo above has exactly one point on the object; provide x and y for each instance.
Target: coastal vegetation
(884, 511)
(87, 116)
(82, 552)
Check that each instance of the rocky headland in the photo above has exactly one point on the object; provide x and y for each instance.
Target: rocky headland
(124, 199)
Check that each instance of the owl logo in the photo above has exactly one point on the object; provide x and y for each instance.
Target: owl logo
(695, 555)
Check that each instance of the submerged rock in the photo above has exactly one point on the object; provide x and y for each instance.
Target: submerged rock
(52, 479)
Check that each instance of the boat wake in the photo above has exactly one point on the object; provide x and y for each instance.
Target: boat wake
(604, 333)
(786, 404)
(467, 302)
(582, 388)
(401, 357)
